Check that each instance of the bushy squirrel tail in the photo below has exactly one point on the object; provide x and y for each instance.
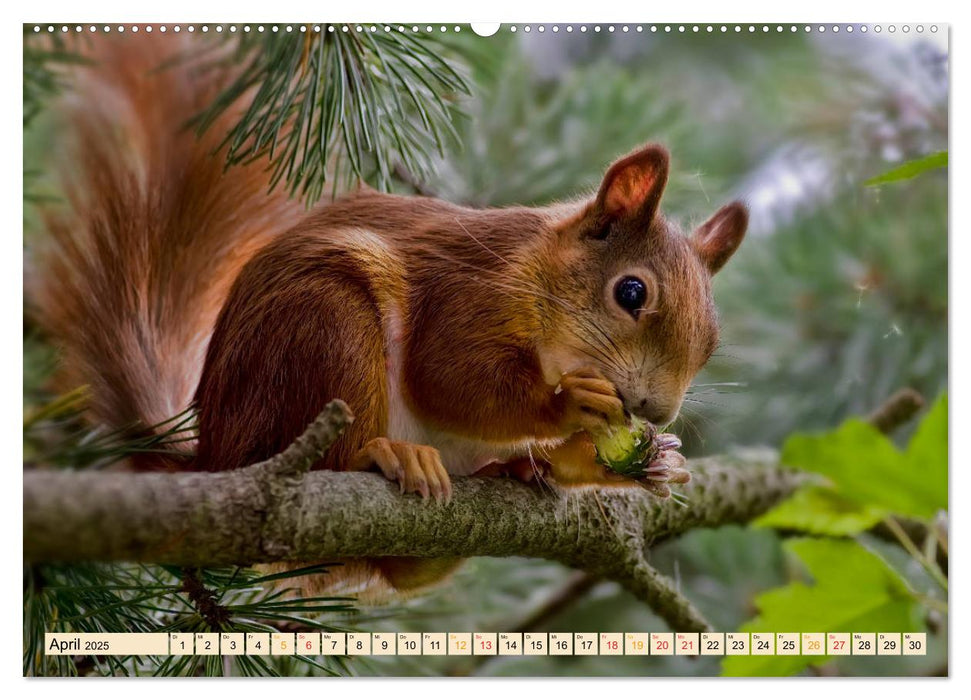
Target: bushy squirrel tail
(135, 268)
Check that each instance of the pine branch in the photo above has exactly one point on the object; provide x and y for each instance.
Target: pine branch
(322, 101)
(256, 515)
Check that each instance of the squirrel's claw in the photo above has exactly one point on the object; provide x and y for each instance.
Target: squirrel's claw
(667, 467)
(667, 441)
(416, 468)
(658, 489)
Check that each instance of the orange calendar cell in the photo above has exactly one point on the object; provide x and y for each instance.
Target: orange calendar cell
(864, 644)
(763, 644)
(358, 643)
(181, 643)
(585, 644)
(308, 643)
(662, 644)
(232, 643)
(737, 644)
(838, 643)
(787, 644)
(283, 643)
(409, 644)
(207, 643)
(561, 644)
(712, 644)
(333, 643)
(611, 644)
(257, 643)
(813, 643)
(637, 644)
(485, 644)
(686, 643)
(434, 644)
(383, 644)
(511, 644)
(888, 644)
(536, 644)
(914, 643)
(459, 643)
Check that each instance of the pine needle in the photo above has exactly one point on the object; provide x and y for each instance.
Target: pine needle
(372, 100)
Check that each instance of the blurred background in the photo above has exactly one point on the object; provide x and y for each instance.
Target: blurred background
(837, 298)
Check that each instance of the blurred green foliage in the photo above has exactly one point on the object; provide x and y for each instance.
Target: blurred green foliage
(833, 313)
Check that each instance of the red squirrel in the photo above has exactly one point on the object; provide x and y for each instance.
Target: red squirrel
(460, 338)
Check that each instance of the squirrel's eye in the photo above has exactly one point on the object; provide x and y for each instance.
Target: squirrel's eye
(630, 293)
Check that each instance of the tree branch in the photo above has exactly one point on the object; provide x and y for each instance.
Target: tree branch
(896, 410)
(271, 512)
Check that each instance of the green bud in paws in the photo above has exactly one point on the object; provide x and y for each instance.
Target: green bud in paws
(628, 450)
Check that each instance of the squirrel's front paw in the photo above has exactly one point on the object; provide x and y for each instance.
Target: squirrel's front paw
(667, 466)
(416, 468)
(588, 401)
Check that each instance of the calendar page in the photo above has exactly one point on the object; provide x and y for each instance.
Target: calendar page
(532, 349)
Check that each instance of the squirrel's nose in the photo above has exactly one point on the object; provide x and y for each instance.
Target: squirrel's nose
(656, 414)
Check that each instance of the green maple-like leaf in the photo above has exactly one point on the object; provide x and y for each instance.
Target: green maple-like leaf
(927, 451)
(868, 477)
(820, 510)
(854, 590)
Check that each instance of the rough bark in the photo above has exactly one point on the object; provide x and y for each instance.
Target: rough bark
(276, 511)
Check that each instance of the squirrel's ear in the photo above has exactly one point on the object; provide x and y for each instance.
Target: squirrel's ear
(633, 186)
(718, 238)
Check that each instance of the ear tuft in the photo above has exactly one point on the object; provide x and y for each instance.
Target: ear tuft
(633, 186)
(717, 239)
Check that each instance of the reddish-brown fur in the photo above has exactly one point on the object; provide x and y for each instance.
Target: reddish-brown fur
(134, 274)
(497, 329)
